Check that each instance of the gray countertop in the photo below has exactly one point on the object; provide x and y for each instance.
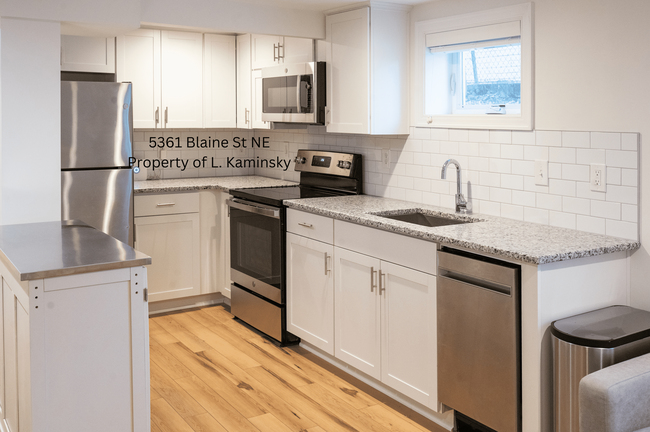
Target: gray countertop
(219, 183)
(522, 241)
(50, 249)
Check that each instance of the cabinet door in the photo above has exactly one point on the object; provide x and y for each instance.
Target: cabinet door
(265, 50)
(244, 103)
(310, 291)
(357, 311)
(173, 243)
(409, 355)
(181, 78)
(348, 72)
(297, 50)
(138, 61)
(87, 54)
(256, 115)
(10, 409)
(219, 82)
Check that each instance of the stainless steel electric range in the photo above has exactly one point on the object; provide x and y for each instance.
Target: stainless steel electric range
(258, 236)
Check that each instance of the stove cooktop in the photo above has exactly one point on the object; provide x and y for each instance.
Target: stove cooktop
(276, 195)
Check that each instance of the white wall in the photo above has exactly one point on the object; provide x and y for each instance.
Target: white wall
(591, 67)
(31, 127)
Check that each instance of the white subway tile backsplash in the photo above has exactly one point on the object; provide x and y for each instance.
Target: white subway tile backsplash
(548, 138)
(606, 140)
(590, 224)
(613, 176)
(623, 229)
(536, 215)
(576, 205)
(562, 155)
(629, 177)
(607, 210)
(498, 169)
(576, 172)
(523, 137)
(501, 137)
(622, 159)
(630, 141)
(575, 139)
(589, 156)
(458, 135)
(562, 220)
(549, 202)
(512, 151)
(479, 136)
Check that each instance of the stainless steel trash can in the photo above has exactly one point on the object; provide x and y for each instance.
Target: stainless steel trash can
(588, 342)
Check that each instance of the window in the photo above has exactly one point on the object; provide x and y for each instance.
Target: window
(475, 71)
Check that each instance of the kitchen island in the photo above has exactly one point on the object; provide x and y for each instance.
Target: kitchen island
(563, 272)
(74, 330)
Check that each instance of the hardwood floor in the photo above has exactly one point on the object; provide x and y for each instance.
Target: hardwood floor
(210, 373)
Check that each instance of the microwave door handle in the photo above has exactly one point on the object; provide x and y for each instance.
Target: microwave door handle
(298, 90)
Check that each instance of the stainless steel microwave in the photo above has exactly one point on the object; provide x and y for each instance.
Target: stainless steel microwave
(294, 93)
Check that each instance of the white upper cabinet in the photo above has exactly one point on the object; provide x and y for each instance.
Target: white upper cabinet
(274, 50)
(256, 115)
(219, 76)
(166, 70)
(367, 70)
(244, 84)
(87, 54)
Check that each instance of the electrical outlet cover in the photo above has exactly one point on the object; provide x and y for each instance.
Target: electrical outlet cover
(597, 177)
(541, 172)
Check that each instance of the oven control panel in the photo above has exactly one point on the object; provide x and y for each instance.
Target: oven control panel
(326, 162)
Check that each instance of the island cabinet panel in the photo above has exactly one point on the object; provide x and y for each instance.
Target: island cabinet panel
(75, 352)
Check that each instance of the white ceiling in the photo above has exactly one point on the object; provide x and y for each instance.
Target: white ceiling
(320, 5)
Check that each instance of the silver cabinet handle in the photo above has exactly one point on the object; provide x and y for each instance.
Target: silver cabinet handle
(327, 257)
(166, 117)
(382, 286)
(306, 225)
(169, 204)
(373, 283)
(276, 57)
(246, 115)
(157, 115)
(280, 46)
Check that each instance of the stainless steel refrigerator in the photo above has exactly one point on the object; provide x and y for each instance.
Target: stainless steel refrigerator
(96, 144)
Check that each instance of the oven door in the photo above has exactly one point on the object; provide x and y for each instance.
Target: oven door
(256, 232)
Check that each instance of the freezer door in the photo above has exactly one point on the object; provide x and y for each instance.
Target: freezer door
(96, 119)
(102, 199)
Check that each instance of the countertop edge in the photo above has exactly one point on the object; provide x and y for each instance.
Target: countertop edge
(625, 245)
(70, 271)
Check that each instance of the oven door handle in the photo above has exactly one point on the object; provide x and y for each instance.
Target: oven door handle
(256, 208)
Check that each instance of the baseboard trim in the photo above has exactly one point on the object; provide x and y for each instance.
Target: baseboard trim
(185, 303)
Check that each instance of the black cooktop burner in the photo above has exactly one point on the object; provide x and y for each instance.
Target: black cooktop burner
(275, 195)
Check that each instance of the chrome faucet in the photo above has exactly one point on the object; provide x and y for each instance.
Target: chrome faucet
(461, 203)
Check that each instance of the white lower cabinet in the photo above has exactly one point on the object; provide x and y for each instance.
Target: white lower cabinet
(310, 310)
(385, 321)
(373, 307)
(167, 229)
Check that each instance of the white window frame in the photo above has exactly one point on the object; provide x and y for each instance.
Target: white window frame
(521, 121)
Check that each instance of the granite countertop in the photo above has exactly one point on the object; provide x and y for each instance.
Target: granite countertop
(50, 249)
(521, 241)
(219, 183)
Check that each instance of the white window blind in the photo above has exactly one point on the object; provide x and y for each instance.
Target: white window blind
(475, 37)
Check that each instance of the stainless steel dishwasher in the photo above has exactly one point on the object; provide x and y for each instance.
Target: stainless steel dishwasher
(479, 341)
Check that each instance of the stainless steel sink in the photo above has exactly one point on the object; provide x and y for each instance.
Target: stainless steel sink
(424, 219)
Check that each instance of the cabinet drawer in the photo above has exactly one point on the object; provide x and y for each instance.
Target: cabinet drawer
(164, 204)
(310, 225)
(407, 251)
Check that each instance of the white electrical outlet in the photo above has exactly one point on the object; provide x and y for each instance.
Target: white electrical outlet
(541, 172)
(384, 164)
(597, 177)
